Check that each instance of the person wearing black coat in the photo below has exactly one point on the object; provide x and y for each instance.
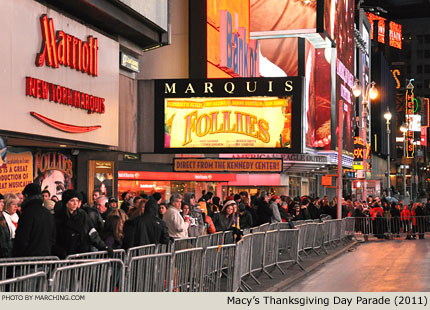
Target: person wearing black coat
(5, 240)
(264, 213)
(245, 218)
(395, 219)
(35, 235)
(145, 229)
(419, 213)
(75, 231)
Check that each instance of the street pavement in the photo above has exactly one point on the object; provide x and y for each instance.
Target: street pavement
(375, 266)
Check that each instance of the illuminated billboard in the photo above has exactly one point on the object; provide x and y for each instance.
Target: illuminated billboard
(224, 115)
(394, 30)
(220, 46)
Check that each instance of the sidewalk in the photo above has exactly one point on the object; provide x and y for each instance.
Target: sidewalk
(280, 281)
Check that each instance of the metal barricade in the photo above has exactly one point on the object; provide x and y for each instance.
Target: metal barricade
(246, 231)
(184, 243)
(257, 253)
(22, 268)
(95, 276)
(228, 237)
(262, 228)
(117, 254)
(238, 261)
(301, 240)
(149, 273)
(34, 282)
(244, 263)
(349, 227)
(309, 239)
(319, 238)
(218, 262)
(271, 250)
(140, 251)
(203, 241)
(216, 238)
(288, 247)
(27, 259)
(187, 270)
(273, 226)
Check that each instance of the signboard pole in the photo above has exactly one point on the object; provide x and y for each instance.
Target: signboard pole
(339, 162)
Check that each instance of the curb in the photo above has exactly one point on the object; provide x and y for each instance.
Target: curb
(281, 285)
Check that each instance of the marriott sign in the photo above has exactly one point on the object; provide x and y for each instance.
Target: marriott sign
(66, 50)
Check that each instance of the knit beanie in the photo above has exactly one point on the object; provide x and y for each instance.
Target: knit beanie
(69, 194)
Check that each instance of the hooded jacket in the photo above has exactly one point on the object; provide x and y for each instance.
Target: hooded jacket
(145, 229)
(196, 217)
(35, 234)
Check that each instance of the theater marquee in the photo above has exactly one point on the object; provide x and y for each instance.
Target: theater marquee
(215, 115)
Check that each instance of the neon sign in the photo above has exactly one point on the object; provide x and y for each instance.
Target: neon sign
(410, 106)
(69, 51)
(394, 30)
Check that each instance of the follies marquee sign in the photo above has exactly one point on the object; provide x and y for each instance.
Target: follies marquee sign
(221, 114)
(63, 76)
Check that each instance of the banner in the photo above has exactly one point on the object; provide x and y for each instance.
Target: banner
(232, 165)
(17, 173)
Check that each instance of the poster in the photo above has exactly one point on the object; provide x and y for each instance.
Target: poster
(3, 152)
(17, 173)
(101, 177)
(54, 172)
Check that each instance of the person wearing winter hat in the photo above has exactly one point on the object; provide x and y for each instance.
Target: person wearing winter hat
(75, 231)
(35, 234)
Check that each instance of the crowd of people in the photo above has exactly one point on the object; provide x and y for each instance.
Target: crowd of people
(34, 223)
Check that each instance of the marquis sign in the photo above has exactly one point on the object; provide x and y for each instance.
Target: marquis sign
(221, 114)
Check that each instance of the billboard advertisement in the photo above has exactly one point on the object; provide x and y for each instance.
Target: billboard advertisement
(220, 115)
(344, 37)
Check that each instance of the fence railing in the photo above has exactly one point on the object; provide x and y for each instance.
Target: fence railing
(210, 263)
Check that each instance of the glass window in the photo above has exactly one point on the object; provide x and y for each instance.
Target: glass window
(427, 54)
(408, 69)
(419, 85)
(427, 38)
(427, 69)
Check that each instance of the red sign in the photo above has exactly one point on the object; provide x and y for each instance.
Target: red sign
(395, 30)
(395, 35)
(44, 90)
(66, 50)
(174, 176)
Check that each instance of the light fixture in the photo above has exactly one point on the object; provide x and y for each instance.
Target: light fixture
(356, 90)
(387, 115)
(373, 92)
(63, 145)
(403, 128)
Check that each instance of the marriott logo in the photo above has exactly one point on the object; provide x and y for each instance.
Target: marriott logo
(64, 49)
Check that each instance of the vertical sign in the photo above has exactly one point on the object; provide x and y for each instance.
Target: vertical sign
(409, 134)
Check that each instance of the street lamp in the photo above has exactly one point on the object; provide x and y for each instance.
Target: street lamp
(387, 116)
(369, 93)
(404, 129)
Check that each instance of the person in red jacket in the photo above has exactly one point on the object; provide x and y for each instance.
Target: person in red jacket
(378, 220)
(405, 217)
